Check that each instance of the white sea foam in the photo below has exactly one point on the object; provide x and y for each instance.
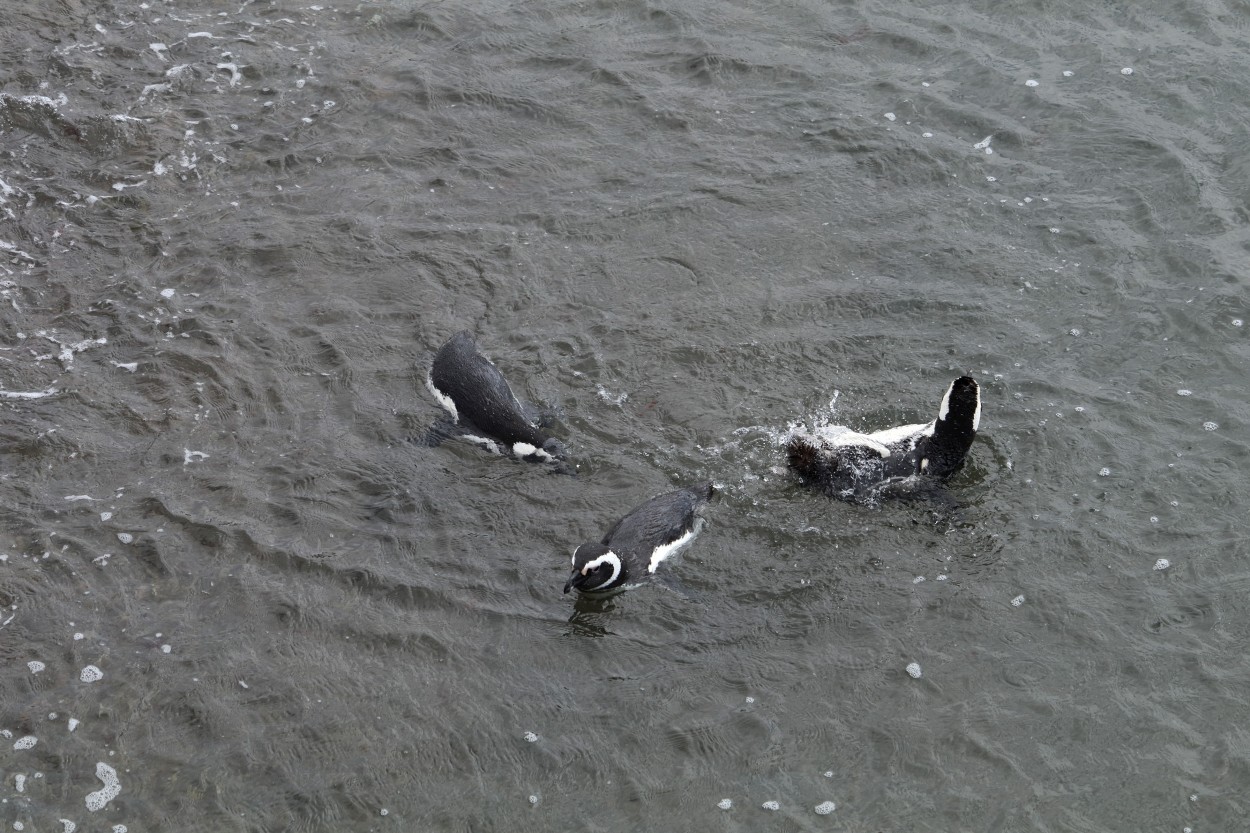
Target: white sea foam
(90, 674)
(771, 805)
(1184, 392)
(21, 394)
(189, 456)
(1018, 600)
(725, 803)
(530, 737)
(35, 666)
(19, 782)
(1162, 564)
(69, 826)
(111, 789)
(824, 808)
(913, 668)
(1104, 472)
(1032, 82)
(1126, 71)
(890, 116)
(1210, 426)
(73, 723)
(27, 742)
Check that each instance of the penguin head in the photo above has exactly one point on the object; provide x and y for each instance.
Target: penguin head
(596, 569)
(960, 412)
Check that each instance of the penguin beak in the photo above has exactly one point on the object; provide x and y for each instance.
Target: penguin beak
(568, 585)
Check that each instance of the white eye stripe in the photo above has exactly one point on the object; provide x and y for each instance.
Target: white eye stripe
(607, 558)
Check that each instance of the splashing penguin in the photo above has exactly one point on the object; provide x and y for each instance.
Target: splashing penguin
(631, 550)
(482, 407)
(854, 466)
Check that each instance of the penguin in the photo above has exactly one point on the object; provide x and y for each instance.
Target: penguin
(854, 466)
(631, 550)
(482, 407)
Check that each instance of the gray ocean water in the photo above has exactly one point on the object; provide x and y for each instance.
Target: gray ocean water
(234, 595)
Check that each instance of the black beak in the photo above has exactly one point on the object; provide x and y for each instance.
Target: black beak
(569, 584)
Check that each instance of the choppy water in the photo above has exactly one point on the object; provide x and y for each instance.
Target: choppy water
(236, 598)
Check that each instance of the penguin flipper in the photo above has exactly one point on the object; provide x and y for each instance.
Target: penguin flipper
(674, 585)
(443, 428)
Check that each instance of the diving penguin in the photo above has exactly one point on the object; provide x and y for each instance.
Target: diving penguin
(850, 465)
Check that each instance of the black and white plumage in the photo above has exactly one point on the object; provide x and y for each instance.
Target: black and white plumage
(631, 550)
(482, 407)
(848, 464)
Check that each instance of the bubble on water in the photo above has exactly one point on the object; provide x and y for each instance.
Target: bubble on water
(1031, 83)
(1154, 519)
(90, 674)
(530, 737)
(1018, 600)
(1162, 564)
(119, 828)
(1237, 322)
(167, 293)
(824, 808)
(917, 579)
(1184, 392)
(984, 144)
(1126, 71)
(69, 826)
(1080, 409)
(941, 577)
(1175, 503)
(913, 668)
(1075, 331)
(533, 799)
(1210, 426)
(1067, 73)
(1104, 472)
(104, 516)
(79, 636)
(1193, 797)
(27, 742)
(165, 649)
(828, 773)
(991, 179)
(750, 700)
(771, 805)
(19, 782)
(891, 116)
(112, 787)
(1054, 229)
(125, 537)
(384, 812)
(73, 723)
(725, 803)
(35, 666)
(927, 135)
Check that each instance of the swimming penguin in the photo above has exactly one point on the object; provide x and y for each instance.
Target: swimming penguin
(850, 465)
(632, 549)
(482, 407)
